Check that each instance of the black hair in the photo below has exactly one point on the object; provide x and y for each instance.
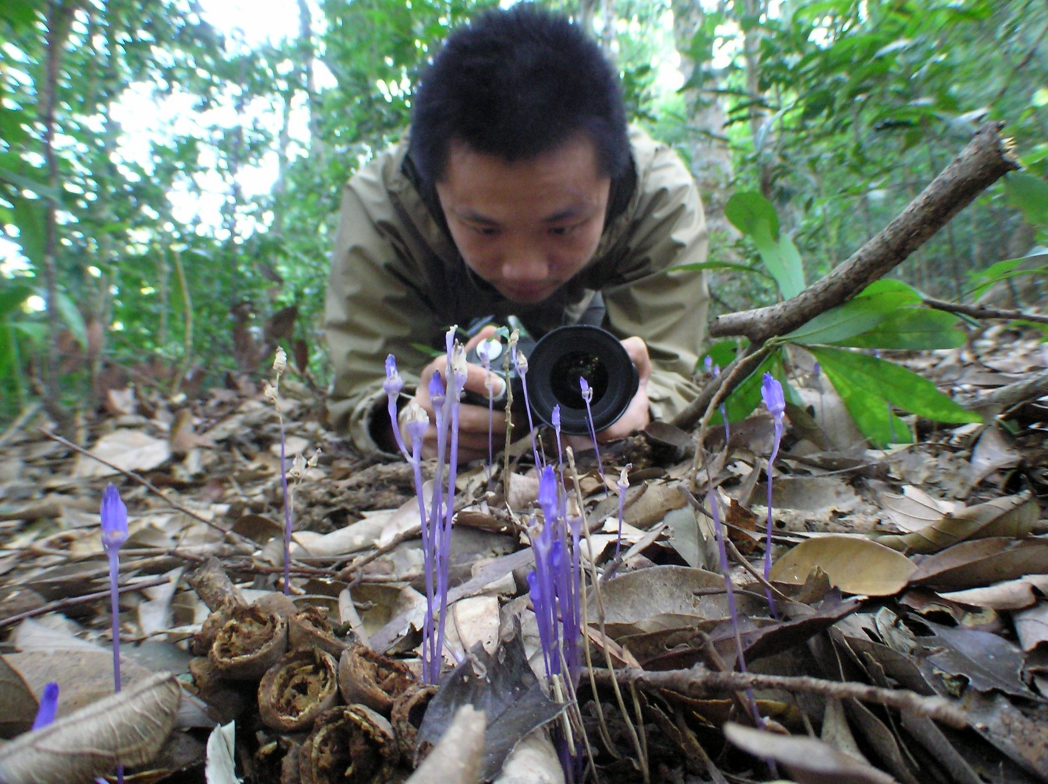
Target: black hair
(515, 84)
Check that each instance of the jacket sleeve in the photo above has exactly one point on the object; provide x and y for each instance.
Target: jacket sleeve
(665, 305)
(375, 306)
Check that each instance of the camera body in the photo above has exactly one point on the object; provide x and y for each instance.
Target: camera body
(556, 363)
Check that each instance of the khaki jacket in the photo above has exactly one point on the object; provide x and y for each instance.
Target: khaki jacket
(397, 282)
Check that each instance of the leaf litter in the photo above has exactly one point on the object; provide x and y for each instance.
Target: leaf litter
(916, 571)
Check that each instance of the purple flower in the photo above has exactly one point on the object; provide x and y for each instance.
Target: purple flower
(393, 383)
(114, 520)
(114, 534)
(816, 370)
(587, 397)
(771, 391)
(708, 362)
(45, 714)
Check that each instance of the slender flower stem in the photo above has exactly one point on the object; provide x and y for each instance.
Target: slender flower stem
(721, 533)
(587, 397)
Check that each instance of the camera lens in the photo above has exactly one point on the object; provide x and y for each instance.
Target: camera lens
(565, 375)
(561, 359)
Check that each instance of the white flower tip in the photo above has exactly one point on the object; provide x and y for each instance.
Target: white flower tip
(280, 361)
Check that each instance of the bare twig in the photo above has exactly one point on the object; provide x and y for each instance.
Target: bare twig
(1011, 395)
(360, 562)
(700, 682)
(144, 482)
(27, 413)
(73, 601)
(981, 312)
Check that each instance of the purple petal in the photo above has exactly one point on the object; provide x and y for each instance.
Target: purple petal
(114, 519)
(436, 385)
(548, 494)
(48, 706)
(393, 383)
(708, 362)
(771, 391)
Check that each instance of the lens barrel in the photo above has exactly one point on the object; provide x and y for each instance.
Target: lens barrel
(564, 356)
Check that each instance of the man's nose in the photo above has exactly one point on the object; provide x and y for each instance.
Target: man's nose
(525, 264)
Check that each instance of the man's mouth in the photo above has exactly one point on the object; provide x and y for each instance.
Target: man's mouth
(528, 293)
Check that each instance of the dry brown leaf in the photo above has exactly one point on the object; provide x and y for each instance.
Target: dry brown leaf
(809, 760)
(915, 509)
(1012, 516)
(1031, 626)
(1010, 595)
(18, 705)
(992, 453)
(127, 729)
(854, 564)
(131, 450)
(83, 676)
(981, 562)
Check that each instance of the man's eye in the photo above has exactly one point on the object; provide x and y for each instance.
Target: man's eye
(486, 231)
(562, 231)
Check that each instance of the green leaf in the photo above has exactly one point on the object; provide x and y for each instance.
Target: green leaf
(723, 352)
(871, 412)
(877, 302)
(916, 328)
(751, 213)
(1029, 194)
(12, 295)
(26, 184)
(71, 317)
(29, 218)
(784, 263)
(1009, 268)
(897, 385)
(716, 265)
(747, 395)
(754, 215)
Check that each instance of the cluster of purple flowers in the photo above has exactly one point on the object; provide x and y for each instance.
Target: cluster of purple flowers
(554, 584)
(436, 523)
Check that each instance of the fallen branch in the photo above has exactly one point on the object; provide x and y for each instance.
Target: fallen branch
(986, 159)
(981, 312)
(700, 682)
(1011, 395)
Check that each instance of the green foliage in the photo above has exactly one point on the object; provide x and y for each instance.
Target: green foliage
(1035, 265)
(752, 214)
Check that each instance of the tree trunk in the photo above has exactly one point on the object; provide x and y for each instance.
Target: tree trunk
(708, 149)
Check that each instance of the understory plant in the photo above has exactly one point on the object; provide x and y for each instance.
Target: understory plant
(114, 534)
(436, 522)
(771, 391)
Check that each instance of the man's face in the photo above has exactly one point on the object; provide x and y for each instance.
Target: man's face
(526, 227)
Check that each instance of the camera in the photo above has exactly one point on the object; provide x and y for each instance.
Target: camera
(556, 363)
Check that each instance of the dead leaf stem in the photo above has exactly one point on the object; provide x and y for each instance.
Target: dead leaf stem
(982, 312)
(700, 681)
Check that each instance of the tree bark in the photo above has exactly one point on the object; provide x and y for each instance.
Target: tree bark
(986, 159)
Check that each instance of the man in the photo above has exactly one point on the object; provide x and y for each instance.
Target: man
(520, 191)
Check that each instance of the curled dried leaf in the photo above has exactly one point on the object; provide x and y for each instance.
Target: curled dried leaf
(310, 629)
(348, 745)
(248, 644)
(297, 689)
(409, 708)
(128, 728)
(372, 679)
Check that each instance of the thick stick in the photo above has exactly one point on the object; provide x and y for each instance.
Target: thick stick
(985, 160)
(700, 682)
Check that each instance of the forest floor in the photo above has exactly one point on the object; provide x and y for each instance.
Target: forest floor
(920, 571)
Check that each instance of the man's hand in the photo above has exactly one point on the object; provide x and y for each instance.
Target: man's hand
(473, 420)
(636, 416)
